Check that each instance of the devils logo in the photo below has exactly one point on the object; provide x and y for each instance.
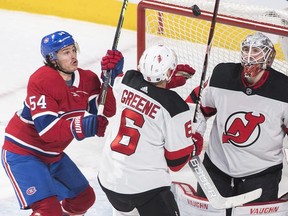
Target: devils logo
(242, 129)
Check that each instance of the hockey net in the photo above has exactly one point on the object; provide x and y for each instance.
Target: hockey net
(172, 22)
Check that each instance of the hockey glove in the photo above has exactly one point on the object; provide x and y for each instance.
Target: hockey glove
(102, 125)
(88, 126)
(180, 75)
(198, 144)
(113, 61)
(83, 127)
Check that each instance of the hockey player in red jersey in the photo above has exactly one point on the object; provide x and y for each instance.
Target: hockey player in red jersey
(61, 105)
(250, 103)
(151, 133)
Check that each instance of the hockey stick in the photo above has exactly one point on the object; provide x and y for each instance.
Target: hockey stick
(205, 64)
(114, 46)
(211, 192)
(200, 172)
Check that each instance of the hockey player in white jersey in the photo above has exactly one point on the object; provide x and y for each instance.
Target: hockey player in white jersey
(151, 134)
(250, 104)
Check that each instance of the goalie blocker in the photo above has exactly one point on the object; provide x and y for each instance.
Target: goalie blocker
(189, 202)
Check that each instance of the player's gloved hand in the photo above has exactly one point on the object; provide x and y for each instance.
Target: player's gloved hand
(198, 144)
(113, 61)
(88, 126)
(102, 125)
(84, 126)
(180, 75)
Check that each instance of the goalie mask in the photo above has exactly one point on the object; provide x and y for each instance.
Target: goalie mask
(257, 53)
(52, 43)
(157, 62)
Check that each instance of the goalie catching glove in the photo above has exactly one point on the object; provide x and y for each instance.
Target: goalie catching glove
(113, 61)
(180, 75)
(88, 126)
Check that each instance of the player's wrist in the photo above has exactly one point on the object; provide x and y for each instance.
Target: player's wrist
(84, 126)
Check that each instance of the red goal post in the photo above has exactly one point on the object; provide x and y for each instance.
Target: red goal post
(172, 22)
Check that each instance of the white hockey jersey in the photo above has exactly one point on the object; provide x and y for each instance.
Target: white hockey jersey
(250, 123)
(151, 133)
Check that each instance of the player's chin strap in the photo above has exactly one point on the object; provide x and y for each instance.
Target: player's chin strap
(69, 73)
(56, 66)
(59, 68)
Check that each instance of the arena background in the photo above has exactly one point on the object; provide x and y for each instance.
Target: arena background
(96, 11)
(100, 11)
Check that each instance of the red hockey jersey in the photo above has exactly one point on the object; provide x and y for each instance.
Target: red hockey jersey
(42, 127)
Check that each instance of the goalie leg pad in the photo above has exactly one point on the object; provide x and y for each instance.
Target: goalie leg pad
(188, 202)
(274, 208)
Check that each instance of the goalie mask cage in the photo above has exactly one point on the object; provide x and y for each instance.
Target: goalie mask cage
(172, 23)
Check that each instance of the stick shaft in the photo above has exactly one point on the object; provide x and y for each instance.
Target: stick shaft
(114, 46)
(212, 193)
(200, 172)
(205, 64)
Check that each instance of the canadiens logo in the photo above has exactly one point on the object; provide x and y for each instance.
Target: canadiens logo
(46, 40)
(242, 129)
(30, 191)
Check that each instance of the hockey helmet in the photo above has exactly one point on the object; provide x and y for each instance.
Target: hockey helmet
(257, 49)
(52, 43)
(155, 63)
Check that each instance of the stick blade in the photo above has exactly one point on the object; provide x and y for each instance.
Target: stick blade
(230, 202)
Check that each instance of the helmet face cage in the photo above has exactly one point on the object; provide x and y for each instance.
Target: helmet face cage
(156, 62)
(52, 43)
(257, 49)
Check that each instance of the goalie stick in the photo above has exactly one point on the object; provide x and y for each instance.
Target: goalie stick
(205, 64)
(211, 192)
(201, 174)
(114, 46)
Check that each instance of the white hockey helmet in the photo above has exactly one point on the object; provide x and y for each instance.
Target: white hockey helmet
(257, 49)
(155, 63)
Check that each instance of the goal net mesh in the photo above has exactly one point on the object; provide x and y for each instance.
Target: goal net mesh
(172, 23)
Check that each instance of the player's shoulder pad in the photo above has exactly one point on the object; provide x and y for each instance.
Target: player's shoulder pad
(226, 76)
(45, 75)
(278, 79)
(226, 71)
(89, 77)
(169, 99)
